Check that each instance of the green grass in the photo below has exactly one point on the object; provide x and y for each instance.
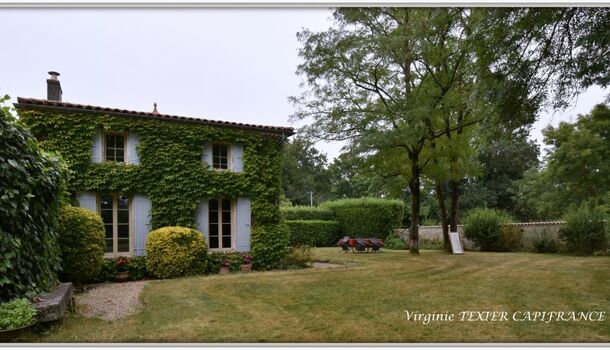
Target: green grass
(364, 301)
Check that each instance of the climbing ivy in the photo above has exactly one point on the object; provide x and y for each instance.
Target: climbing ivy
(171, 172)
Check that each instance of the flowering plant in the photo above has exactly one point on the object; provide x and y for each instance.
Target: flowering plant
(121, 264)
(247, 259)
(226, 262)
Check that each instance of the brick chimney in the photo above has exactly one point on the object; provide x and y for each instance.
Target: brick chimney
(53, 87)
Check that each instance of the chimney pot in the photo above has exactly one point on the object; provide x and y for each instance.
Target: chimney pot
(53, 87)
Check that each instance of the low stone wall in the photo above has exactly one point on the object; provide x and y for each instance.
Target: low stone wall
(529, 232)
(53, 306)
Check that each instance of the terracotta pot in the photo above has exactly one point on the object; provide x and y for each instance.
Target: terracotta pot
(122, 276)
(224, 270)
(246, 268)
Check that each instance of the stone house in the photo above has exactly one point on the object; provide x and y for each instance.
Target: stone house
(144, 170)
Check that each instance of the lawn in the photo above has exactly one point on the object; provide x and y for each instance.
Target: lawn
(364, 301)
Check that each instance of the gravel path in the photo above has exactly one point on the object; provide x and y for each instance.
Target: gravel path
(110, 301)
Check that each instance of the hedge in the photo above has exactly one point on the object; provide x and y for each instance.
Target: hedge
(585, 231)
(307, 213)
(314, 233)
(367, 217)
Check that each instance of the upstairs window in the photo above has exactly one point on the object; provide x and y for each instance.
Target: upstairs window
(220, 156)
(114, 147)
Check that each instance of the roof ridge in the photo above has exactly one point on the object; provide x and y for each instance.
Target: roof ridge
(60, 104)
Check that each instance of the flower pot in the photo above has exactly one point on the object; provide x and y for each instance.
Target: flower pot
(224, 270)
(122, 276)
(6, 335)
(246, 268)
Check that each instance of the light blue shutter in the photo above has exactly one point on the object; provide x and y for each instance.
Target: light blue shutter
(207, 153)
(132, 153)
(87, 200)
(203, 219)
(242, 224)
(141, 207)
(237, 153)
(97, 150)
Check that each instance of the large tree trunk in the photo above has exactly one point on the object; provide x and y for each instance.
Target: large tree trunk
(454, 186)
(414, 183)
(440, 196)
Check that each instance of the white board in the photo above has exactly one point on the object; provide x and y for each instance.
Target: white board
(456, 245)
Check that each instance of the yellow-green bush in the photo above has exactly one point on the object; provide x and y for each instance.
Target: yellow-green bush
(175, 251)
(81, 241)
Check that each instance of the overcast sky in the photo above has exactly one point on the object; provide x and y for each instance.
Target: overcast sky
(228, 64)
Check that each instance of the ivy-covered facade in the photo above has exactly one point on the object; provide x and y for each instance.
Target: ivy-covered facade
(141, 171)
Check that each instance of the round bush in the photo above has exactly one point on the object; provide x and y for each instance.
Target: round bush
(367, 217)
(81, 242)
(485, 228)
(175, 251)
(314, 233)
(584, 232)
(269, 245)
(30, 191)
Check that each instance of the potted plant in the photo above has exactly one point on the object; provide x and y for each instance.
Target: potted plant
(15, 316)
(246, 265)
(121, 269)
(225, 267)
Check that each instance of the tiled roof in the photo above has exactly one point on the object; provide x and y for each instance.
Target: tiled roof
(33, 102)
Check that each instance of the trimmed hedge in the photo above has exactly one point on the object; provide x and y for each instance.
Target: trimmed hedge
(367, 217)
(175, 251)
(314, 233)
(81, 241)
(307, 213)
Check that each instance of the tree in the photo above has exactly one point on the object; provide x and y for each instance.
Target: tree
(549, 53)
(390, 80)
(577, 168)
(304, 170)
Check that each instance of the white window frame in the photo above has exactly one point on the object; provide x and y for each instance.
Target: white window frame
(115, 228)
(113, 133)
(229, 156)
(233, 227)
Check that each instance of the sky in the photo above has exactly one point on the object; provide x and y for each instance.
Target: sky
(226, 64)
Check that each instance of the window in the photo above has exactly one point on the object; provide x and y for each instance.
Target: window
(114, 209)
(221, 233)
(114, 147)
(220, 156)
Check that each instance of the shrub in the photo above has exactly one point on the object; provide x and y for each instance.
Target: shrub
(81, 242)
(216, 259)
(395, 242)
(298, 257)
(30, 192)
(137, 268)
(543, 243)
(269, 245)
(175, 251)
(316, 233)
(584, 231)
(306, 213)
(485, 228)
(367, 217)
(16, 313)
